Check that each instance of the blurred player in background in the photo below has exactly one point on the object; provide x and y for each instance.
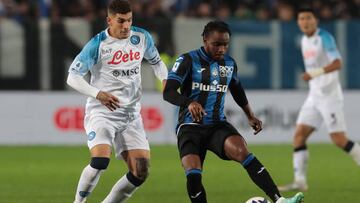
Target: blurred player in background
(203, 76)
(113, 59)
(325, 99)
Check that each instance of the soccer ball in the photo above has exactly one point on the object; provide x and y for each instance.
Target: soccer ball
(257, 200)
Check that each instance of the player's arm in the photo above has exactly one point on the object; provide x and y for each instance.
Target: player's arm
(238, 93)
(175, 79)
(331, 51)
(81, 66)
(153, 57)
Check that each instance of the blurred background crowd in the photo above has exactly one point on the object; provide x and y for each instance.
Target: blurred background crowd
(283, 10)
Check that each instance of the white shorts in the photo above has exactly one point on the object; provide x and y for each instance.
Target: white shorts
(312, 113)
(125, 132)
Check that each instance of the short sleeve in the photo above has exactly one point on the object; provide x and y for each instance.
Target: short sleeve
(329, 46)
(88, 56)
(151, 53)
(181, 68)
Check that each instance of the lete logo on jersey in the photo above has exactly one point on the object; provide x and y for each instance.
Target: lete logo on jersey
(119, 57)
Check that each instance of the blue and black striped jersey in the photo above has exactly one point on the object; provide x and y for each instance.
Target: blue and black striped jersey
(206, 81)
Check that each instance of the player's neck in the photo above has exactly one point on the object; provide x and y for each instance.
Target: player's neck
(310, 34)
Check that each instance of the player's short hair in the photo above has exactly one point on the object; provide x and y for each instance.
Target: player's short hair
(215, 25)
(119, 6)
(306, 9)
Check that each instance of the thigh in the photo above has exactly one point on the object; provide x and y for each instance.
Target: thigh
(309, 115)
(131, 136)
(190, 141)
(218, 135)
(100, 134)
(333, 115)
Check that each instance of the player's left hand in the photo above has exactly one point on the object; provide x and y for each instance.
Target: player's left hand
(306, 76)
(256, 124)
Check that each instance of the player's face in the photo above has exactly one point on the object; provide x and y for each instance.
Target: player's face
(119, 25)
(216, 44)
(307, 23)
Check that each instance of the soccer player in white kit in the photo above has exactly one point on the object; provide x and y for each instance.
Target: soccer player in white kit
(112, 119)
(324, 102)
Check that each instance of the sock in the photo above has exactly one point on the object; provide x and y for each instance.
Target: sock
(300, 163)
(260, 176)
(123, 189)
(354, 150)
(88, 180)
(196, 190)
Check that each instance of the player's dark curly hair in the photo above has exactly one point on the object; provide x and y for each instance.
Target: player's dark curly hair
(119, 6)
(216, 25)
(306, 9)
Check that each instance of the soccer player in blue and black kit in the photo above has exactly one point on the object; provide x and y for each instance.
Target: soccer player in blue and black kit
(203, 76)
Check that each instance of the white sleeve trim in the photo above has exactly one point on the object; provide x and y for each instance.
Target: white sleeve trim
(79, 83)
(160, 70)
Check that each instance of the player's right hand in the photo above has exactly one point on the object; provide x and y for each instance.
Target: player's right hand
(306, 76)
(196, 111)
(108, 100)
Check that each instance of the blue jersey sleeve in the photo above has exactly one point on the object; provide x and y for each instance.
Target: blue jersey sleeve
(151, 53)
(180, 68)
(88, 56)
(329, 45)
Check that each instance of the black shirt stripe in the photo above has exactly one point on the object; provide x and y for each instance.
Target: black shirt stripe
(222, 81)
(205, 80)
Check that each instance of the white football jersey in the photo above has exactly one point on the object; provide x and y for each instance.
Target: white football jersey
(319, 50)
(115, 67)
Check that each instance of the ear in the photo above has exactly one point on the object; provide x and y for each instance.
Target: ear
(108, 20)
(204, 39)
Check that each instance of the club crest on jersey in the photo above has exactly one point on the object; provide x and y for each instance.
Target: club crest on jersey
(214, 73)
(91, 135)
(226, 71)
(135, 40)
(119, 57)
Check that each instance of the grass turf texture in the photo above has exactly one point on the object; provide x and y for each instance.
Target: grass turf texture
(40, 174)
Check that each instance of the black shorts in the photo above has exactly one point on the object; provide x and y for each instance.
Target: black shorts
(197, 139)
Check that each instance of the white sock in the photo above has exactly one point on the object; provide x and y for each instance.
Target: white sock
(355, 153)
(88, 180)
(300, 163)
(121, 191)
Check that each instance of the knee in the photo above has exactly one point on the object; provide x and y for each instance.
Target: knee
(100, 163)
(139, 174)
(142, 168)
(238, 154)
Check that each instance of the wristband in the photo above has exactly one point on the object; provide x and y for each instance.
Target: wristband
(317, 72)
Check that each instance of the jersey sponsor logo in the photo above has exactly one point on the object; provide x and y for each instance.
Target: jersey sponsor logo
(226, 71)
(209, 88)
(135, 39)
(119, 57)
(309, 54)
(126, 72)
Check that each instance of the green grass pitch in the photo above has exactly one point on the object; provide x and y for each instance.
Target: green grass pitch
(39, 174)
